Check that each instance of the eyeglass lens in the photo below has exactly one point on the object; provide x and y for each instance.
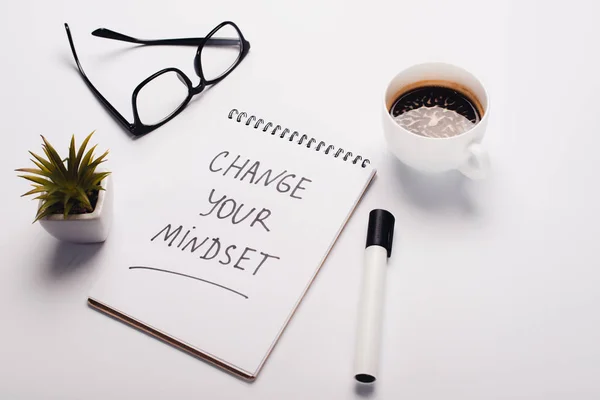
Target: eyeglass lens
(161, 97)
(217, 60)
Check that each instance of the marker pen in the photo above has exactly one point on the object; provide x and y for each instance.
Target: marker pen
(379, 247)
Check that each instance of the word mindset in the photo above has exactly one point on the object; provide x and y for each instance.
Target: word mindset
(212, 249)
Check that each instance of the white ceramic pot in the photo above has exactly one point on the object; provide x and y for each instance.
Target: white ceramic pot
(84, 228)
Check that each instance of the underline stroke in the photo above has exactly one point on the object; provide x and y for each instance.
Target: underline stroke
(191, 277)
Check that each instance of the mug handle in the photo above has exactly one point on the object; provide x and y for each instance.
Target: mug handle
(477, 164)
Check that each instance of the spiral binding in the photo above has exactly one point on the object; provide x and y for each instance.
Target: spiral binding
(302, 138)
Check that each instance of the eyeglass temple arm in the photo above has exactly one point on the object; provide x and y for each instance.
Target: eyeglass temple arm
(113, 111)
(108, 34)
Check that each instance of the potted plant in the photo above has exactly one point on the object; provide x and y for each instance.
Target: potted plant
(75, 196)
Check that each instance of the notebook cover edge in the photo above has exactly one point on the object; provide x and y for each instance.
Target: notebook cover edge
(239, 373)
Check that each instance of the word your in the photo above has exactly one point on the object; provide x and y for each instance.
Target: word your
(229, 208)
(212, 249)
(283, 182)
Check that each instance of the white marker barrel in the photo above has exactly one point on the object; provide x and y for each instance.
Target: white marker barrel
(370, 312)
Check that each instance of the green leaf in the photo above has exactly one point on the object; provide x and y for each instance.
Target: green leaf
(67, 209)
(87, 171)
(58, 196)
(71, 160)
(54, 191)
(97, 178)
(40, 165)
(59, 173)
(50, 196)
(36, 189)
(54, 157)
(48, 211)
(99, 159)
(82, 150)
(47, 204)
(44, 162)
(37, 179)
(83, 198)
(66, 205)
(34, 171)
(88, 156)
(89, 180)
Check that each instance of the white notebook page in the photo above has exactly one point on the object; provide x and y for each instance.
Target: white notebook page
(214, 258)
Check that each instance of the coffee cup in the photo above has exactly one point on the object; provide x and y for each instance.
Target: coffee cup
(434, 119)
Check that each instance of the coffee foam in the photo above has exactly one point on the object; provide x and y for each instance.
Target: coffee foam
(434, 122)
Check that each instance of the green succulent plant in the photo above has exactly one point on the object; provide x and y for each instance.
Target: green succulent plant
(65, 186)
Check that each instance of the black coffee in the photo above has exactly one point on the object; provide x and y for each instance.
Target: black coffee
(435, 111)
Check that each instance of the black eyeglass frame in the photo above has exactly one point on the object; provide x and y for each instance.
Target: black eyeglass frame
(138, 128)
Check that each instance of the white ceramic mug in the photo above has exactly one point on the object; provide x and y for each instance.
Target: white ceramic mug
(462, 152)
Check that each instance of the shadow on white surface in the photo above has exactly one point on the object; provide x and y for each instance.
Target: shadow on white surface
(364, 390)
(69, 258)
(114, 54)
(436, 192)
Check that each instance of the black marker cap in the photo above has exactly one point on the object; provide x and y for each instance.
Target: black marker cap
(381, 229)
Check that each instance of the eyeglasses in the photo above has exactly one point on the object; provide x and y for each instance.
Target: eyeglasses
(163, 95)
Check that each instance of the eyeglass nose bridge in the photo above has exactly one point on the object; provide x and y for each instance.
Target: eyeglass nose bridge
(197, 89)
(193, 89)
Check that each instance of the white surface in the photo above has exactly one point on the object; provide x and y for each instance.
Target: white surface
(462, 152)
(492, 288)
(370, 312)
(270, 263)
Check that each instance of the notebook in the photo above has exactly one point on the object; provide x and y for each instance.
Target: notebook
(216, 259)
